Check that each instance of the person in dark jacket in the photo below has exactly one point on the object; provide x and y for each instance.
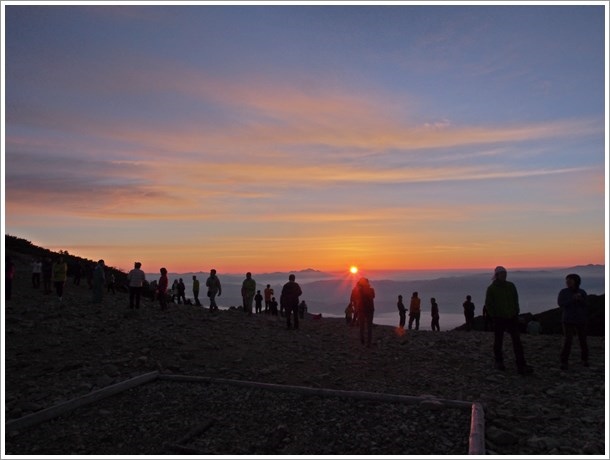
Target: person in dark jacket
(402, 313)
(289, 301)
(363, 296)
(573, 303)
(502, 302)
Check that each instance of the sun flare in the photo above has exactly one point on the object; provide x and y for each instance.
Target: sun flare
(353, 269)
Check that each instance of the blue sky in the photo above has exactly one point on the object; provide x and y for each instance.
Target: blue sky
(283, 137)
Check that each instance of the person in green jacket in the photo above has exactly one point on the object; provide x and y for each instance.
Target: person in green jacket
(502, 302)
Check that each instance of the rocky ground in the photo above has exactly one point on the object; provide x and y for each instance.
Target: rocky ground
(55, 352)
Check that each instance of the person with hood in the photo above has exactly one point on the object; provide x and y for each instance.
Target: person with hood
(502, 302)
(573, 303)
(362, 297)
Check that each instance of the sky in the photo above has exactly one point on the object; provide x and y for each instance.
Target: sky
(281, 137)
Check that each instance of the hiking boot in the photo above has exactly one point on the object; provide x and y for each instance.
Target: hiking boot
(525, 370)
(500, 366)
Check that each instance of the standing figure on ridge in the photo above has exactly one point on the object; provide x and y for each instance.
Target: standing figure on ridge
(36, 272)
(214, 289)
(414, 311)
(196, 291)
(289, 301)
(268, 294)
(99, 281)
(248, 289)
(402, 313)
(136, 278)
(47, 274)
(363, 296)
(60, 275)
(468, 312)
(435, 315)
(573, 303)
(502, 302)
(181, 291)
(162, 288)
(258, 302)
(273, 306)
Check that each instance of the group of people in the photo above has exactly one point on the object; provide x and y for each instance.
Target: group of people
(415, 312)
(501, 304)
(290, 307)
(501, 308)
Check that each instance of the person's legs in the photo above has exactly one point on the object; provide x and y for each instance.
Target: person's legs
(369, 323)
(568, 332)
(513, 330)
(581, 330)
(499, 325)
(295, 312)
(362, 322)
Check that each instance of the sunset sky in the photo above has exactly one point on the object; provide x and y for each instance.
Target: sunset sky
(285, 137)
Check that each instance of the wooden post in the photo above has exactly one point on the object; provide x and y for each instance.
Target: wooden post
(476, 441)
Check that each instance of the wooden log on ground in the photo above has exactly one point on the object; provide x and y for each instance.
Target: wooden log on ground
(62, 408)
(366, 395)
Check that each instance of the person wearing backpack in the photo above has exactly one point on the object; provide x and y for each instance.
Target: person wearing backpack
(362, 297)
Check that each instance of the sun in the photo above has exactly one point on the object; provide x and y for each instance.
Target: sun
(353, 269)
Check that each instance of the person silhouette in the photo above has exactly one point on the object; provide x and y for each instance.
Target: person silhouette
(402, 312)
(214, 289)
(414, 311)
(162, 288)
(468, 312)
(435, 315)
(99, 281)
(268, 295)
(363, 296)
(502, 302)
(136, 278)
(289, 301)
(248, 289)
(258, 302)
(573, 303)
